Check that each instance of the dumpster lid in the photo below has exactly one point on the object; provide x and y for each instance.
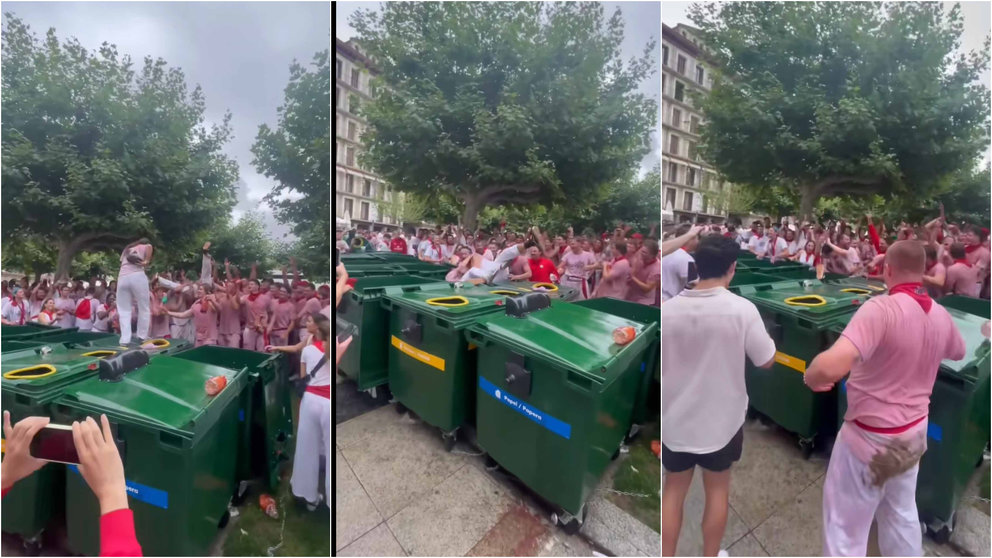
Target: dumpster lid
(167, 394)
(571, 336)
(64, 366)
(818, 302)
(452, 304)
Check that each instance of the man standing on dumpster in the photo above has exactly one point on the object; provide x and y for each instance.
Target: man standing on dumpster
(892, 347)
(707, 334)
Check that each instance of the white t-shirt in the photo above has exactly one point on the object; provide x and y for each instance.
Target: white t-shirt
(809, 260)
(781, 249)
(310, 356)
(12, 312)
(675, 273)
(490, 267)
(758, 244)
(708, 334)
(104, 324)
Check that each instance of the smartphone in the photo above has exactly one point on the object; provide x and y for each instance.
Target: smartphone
(54, 443)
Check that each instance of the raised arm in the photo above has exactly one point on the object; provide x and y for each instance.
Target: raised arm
(674, 244)
(254, 271)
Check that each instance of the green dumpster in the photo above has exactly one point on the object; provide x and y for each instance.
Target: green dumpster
(431, 365)
(957, 430)
(744, 279)
(649, 387)
(78, 338)
(561, 292)
(967, 304)
(180, 451)
(798, 318)
(366, 361)
(876, 286)
(29, 386)
(30, 331)
(555, 397)
(267, 419)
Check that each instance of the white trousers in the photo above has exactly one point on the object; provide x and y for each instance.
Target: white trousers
(313, 438)
(850, 502)
(133, 289)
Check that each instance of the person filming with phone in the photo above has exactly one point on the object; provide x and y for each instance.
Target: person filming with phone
(99, 463)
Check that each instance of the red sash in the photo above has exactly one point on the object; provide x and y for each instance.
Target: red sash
(84, 310)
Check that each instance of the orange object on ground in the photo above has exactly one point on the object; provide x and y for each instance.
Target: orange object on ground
(623, 335)
(215, 385)
(268, 505)
(656, 447)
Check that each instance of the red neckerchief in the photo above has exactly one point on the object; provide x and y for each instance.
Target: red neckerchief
(619, 259)
(971, 248)
(252, 297)
(962, 261)
(916, 291)
(203, 306)
(931, 266)
(808, 253)
(650, 263)
(319, 344)
(758, 234)
(51, 315)
(773, 242)
(21, 306)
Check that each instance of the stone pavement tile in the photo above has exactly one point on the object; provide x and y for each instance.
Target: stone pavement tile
(561, 544)
(354, 513)
(691, 535)
(453, 517)
(971, 530)
(618, 532)
(377, 542)
(796, 528)
(770, 474)
(747, 546)
(518, 533)
(396, 458)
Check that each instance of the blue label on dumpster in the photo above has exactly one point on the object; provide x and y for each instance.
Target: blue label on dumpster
(935, 431)
(644, 365)
(547, 421)
(142, 493)
(241, 415)
(843, 386)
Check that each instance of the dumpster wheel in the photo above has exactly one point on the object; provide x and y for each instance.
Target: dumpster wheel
(32, 546)
(449, 439)
(806, 445)
(568, 522)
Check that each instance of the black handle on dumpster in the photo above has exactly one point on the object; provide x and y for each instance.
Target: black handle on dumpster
(519, 307)
(114, 368)
(517, 378)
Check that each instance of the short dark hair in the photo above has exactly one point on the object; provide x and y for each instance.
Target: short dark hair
(977, 230)
(621, 247)
(957, 251)
(714, 256)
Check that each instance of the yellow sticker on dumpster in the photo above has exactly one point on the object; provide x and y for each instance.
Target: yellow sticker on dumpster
(426, 358)
(790, 361)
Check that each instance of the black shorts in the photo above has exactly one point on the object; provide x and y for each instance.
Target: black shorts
(720, 460)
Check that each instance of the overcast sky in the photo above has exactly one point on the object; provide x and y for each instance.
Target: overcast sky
(640, 26)
(239, 52)
(977, 26)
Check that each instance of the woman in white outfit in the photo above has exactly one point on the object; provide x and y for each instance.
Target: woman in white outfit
(313, 436)
(132, 287)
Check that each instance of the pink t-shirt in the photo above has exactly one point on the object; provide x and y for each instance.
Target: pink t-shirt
(901, 349)
(230, 318)
(68, 307)
(205, 322)
(575, 264)
(310, 305)
(963, 280)
(646, 274)
(127, 268)
(257, 309)
(284, 312)
(617, 284)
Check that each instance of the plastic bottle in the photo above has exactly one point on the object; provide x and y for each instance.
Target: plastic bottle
(623, 335)
(215, 385)
(268, 505)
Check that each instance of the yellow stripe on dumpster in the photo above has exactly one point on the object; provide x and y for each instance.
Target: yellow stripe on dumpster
(426, 358)
(790, 361)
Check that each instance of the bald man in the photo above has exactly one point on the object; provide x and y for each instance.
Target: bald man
(892, 347)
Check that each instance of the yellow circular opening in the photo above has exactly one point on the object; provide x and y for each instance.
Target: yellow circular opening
(856, 291)
(31, 372)
(806, 300)
(100, 354)
(505, 293)
(547, 286)
(448, 301)
(159, 343)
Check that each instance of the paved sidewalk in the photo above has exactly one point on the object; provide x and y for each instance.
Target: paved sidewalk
(776, 499)
(399, 493)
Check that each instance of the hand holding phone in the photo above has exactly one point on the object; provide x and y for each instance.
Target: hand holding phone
(100, 463)
(18, 462)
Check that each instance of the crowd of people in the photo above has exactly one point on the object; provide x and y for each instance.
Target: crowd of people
(958, 255)
(623, 264)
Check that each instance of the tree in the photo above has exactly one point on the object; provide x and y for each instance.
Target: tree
(297, 154)
(96, 154)
(830, 98)
(497, 103)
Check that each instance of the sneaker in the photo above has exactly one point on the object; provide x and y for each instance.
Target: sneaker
(722, 553)
(313, 506)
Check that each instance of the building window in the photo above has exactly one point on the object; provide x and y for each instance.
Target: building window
(351, 184)
(367, 188)
(352, 131)
(690, 178)
(679, 91)
(706, 180)
(699, 75)
(663, 81)
(349, 207)
(353, 104)
(365, 211)
(341, 179)
(680, 66)
(673, 144)
(673, 172)
(705, 202)
(687, 201)
(355, 77)
(694, 124)
(692, 150)
(676, 118)
(670, 198)
(349, 158)
(664, 55)
(338, 68)
(337, 96)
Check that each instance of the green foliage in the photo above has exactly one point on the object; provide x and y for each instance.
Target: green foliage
(96, 152)
(297, 154)
(829, 98)
(495, 103)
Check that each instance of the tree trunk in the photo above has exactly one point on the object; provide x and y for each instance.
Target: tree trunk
(67, 251)
(470, 215)
(810, 193)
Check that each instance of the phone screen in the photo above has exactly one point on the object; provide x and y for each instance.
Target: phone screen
(55, 443)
